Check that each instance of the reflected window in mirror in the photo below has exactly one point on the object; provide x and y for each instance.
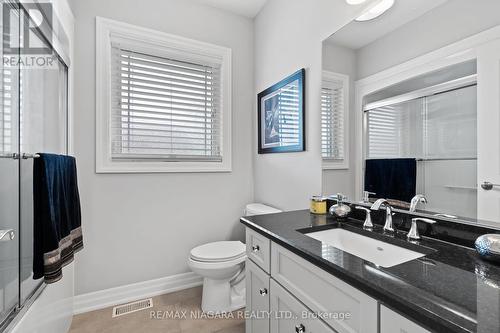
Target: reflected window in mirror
(8, 134)
(425, 141)
(334, 114)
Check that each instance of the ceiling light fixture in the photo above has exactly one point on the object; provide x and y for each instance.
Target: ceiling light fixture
(376, 11)
(355, 2)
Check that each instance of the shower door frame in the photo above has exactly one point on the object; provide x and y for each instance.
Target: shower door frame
(16, 314)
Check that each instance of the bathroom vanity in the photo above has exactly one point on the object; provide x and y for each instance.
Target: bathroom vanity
(301, 277)
(424, 114)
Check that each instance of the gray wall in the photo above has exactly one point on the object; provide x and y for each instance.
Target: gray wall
(139, 227)
(449, 23)
(341, 60)
(288, 180)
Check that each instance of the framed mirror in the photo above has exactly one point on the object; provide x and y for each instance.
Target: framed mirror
(410, 105)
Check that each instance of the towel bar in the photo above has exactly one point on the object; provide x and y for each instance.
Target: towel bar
(26, 156)
(489, 186)
(14, 156)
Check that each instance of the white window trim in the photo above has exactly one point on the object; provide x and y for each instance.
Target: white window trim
(155, 43)
(345, 80)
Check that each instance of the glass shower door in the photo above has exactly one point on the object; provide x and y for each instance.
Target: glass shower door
(9, 182)
(43, 129)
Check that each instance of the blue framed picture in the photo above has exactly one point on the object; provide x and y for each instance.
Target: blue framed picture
(281, 116)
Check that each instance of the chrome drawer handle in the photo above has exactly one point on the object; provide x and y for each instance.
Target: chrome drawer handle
(300, 329)
(255, 248)
(263, 292)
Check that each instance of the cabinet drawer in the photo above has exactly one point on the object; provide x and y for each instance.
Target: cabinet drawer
(258, 249)
(350, 310)
(391, 322)
(288, 315)
(257, 294)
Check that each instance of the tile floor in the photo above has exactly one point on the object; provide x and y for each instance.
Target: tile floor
(189, 300)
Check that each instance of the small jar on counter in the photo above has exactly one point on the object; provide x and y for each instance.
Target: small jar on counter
(318, 205)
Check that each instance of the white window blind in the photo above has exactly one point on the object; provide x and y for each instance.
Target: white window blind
(332, 120)
(7, 89)
(383, 132)
(164, 108)
(395, 131)
(440, 126)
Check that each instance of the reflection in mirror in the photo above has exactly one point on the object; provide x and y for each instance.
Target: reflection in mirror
(400, 120)
(422, 139)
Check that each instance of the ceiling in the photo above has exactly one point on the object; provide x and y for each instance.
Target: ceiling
(355, 35)
(247, 8)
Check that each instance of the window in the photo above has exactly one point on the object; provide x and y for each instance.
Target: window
(7, 92)
(394, 131)
(164, 108)
(164, 103)
(334, 116)
(438, 126)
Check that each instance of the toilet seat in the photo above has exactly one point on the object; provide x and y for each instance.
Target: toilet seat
(219, 252)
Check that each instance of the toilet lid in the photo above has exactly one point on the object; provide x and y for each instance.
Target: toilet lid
(219, 251)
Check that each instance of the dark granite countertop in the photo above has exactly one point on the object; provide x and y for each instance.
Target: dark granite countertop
(451, 289)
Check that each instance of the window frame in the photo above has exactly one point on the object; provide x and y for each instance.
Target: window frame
(158, 44)
(344, 80)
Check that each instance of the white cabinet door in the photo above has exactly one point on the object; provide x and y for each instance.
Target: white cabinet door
(391, 322)
(257, 293)
(488, 129)
(350, 310)
(291, 316)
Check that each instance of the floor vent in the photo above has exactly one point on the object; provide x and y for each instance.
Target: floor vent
(124, 309)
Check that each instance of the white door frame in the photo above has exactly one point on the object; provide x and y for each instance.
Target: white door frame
(452, 54)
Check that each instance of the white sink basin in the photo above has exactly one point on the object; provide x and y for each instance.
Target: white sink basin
(378, 252)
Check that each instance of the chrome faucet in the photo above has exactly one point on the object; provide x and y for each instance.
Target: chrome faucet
(419, 198)
(413, 234)
(368, 219)
(388, 226)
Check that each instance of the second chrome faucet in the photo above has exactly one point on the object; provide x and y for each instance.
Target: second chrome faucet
(419, 198)
(380, 203)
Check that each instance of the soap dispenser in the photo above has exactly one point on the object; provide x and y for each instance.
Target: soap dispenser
(366, 196)
(340, 210)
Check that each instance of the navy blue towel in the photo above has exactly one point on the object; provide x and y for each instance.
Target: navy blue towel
(57, 216)
(391, 178)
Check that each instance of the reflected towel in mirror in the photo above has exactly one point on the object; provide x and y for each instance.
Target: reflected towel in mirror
(394, 178)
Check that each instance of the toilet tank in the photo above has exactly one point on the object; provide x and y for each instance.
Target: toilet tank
(260, 209)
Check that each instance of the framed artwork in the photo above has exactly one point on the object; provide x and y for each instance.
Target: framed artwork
(281, 116)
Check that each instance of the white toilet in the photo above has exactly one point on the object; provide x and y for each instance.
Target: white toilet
(222, 266)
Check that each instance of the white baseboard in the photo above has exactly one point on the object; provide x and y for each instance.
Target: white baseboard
(123, 294)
